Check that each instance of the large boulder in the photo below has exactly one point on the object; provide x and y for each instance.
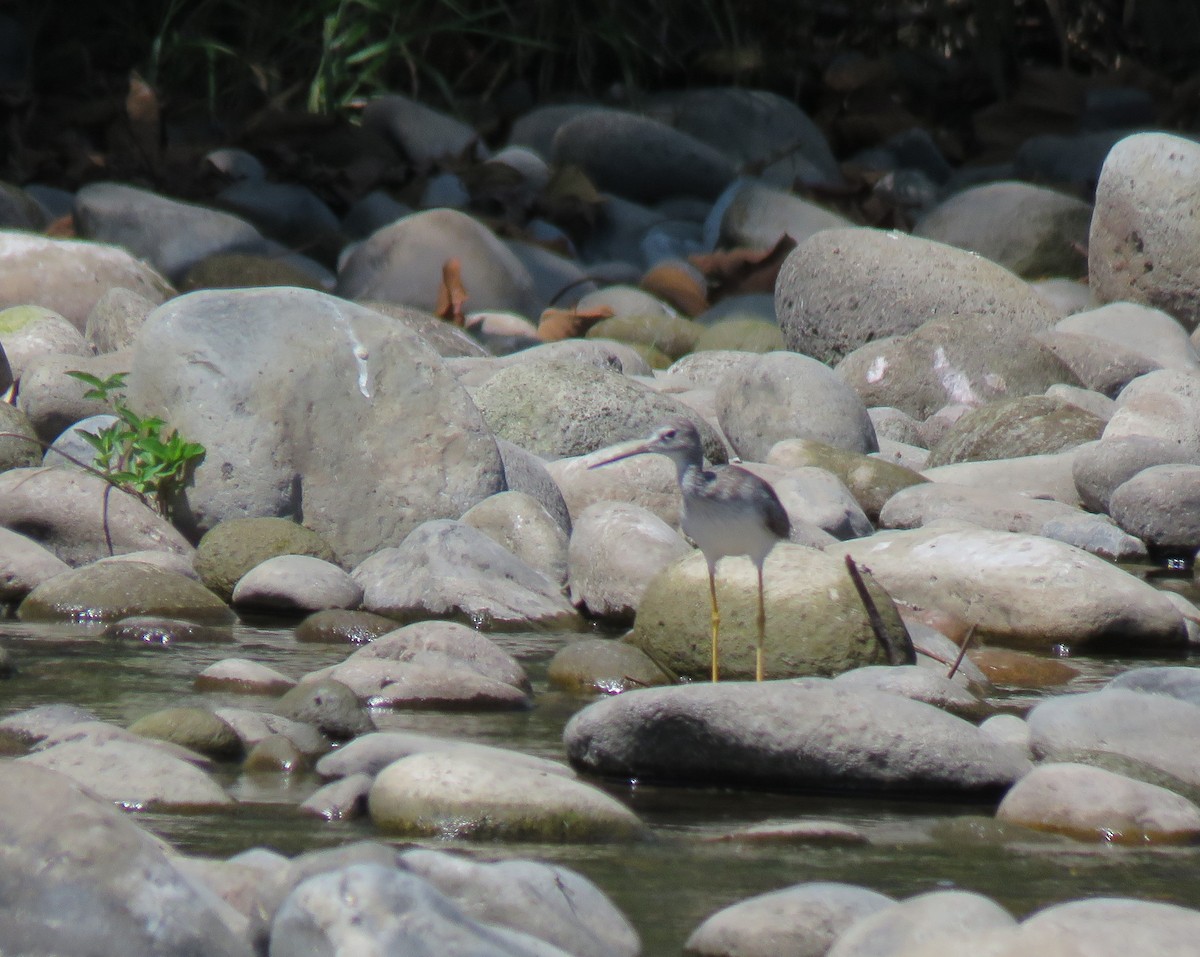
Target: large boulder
(784, 734)
(69, 276)
(1145, 238)
(313, 408)
(843, 288)
(79, 877)
(1020, 589)
(816, 624)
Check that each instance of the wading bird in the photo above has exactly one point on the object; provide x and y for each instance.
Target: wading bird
(726, 511)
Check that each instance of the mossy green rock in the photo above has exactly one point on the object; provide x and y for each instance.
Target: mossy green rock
(16, 318)
(816, 624)
(872, 481)
(17, 453)
(243, 271)
(673, 336)
(108, 591)
(742, 335)
(452, 794)
(341, 626)
(195, 728)
(1029, 425)
(603, 666)
(233, 547)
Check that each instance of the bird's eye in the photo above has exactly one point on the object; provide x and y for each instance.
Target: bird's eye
(668, 433)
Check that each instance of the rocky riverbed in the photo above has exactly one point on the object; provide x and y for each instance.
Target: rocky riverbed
(488, 645)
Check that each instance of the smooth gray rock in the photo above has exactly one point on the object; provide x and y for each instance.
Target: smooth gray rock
(804, 734)
(138, 776)
(253, 727)
(592, 666)
(101, 885)
(371, 753)
(782, 395)
(330, 383)
(468, 795)
(999, 582)
(296, 583)
(329, 705)
(70, 276)
(815, 496)
(918, 683)
(843, 288)
(1163, 404)
(243, 676)
(1174, 681)
(1007, 511)
(370, 908)
(759, 216)
(1145, 232)
(640, 158)
(526, 473)
(446, 569)
(951, 916)
(1028, 229)
(1097, 363)
(1091, 803)
(1150, 332)
(53, 401)
(170, 235)
(29, 333)
(557, 408)
(402, 263)
(340, 800)
(546, 901)
(1161, 505)
(35, 724)
(24, 564)
(1038, 476)
(1122, 731)
(615, 550)
(426, 135)
(1106, 927)
(521, 524)
(803, 920)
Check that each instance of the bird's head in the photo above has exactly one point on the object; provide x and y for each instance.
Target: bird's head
(679, 439)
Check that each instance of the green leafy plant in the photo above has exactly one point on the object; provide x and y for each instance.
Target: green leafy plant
(134, 453)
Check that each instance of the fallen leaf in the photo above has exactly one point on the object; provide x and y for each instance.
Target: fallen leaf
(677, 285)
(452, 294)
(142, 111)
(558, 324)
(735, 272)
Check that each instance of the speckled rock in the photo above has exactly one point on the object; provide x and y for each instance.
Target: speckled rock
(1161, 505)
(1027, 425)
(843, 288)
(1145, 230)
(522, 524)
(232, 548)
(338, 626)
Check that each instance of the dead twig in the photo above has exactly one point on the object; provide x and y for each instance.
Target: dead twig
(897, 644)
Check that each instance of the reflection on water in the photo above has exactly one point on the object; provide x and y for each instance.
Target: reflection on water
(667, 884)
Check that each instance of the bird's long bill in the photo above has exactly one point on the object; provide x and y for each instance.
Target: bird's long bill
(629, 453)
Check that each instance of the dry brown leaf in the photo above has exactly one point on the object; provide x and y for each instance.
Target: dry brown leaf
(558, 324)
(734, 272)
(452, 294)
(678, 286)
(142, 110)
(61, 228)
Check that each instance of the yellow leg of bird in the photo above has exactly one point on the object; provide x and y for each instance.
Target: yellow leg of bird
(762, 629)
(716, 619)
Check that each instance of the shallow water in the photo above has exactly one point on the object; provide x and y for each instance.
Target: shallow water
(667, 884)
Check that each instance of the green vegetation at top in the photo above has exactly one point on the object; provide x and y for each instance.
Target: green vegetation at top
(326, 54)
(134, 453)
